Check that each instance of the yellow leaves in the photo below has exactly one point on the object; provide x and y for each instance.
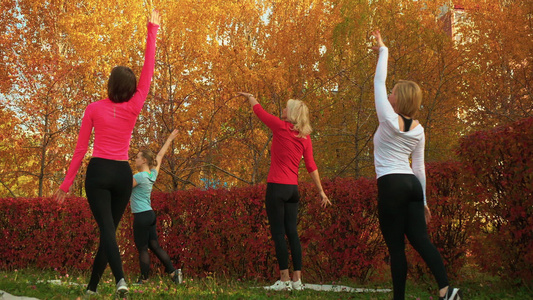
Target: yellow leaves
(209, 50)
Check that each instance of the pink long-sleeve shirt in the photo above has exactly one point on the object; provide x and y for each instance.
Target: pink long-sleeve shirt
(287, 149)
(113, 122)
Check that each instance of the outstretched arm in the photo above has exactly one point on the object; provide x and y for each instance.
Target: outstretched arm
(143, 87)
(250, 97)
(271, 121)
(383, 107)
(164, 149)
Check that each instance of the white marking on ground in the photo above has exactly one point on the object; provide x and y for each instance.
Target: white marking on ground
(58, 282)
(342, 288)
(7, 296)
(339, 288)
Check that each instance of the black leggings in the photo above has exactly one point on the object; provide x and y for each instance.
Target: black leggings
(282, 211)
(401, 213)
(145, 235)
(108, 186)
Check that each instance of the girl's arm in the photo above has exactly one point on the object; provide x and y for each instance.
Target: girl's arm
(383, 106)
(271, 121)
(143, 87)
(161, 154)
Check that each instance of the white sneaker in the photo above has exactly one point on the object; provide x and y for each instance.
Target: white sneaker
(297, 285)
(90, 293)
(453, 294)
(122, 288)
(280, 286)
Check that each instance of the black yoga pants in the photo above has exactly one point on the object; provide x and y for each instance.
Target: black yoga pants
(108, 186)
(145, 236)
(282, 211)
(401, 213)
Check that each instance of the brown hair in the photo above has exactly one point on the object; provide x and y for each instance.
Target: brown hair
(122, 84)
(408, 98)
(150, 157)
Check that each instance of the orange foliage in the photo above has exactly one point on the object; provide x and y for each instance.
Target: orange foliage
(57, 56)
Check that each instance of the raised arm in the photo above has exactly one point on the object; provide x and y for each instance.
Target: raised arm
(164, 149)
(383, 107)
(143, 87)
(271, 121)
(79, 153)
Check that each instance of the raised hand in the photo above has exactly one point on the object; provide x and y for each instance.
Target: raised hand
(155, 18)
(246, 95)
(250, 97)
(379, 40)
(173, 135)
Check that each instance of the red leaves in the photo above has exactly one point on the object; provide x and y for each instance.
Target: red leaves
(482, 211)
(501, 162)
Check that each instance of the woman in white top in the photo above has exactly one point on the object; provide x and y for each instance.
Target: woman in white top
(401, 188)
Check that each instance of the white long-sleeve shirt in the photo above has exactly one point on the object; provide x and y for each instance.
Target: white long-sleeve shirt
(393, 147)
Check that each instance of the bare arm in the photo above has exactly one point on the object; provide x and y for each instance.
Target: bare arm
(316, 179)
(163, 151)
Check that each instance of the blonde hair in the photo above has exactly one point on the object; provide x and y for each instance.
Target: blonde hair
(298, 114)
(408, 98)
(150, 157)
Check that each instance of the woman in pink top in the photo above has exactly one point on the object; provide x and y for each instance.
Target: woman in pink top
(109, 179)
(290, 142)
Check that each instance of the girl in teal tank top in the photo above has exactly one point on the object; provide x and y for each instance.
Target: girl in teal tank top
(144, 218)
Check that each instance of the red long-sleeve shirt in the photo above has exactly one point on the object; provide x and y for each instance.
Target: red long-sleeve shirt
(113, 122)
(287, 149)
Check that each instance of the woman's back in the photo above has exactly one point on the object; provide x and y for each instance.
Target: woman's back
(287, 149)
(393, 147)
(113, 124)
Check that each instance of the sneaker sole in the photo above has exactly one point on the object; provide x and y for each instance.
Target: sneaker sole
(122, 293)
(457, 294)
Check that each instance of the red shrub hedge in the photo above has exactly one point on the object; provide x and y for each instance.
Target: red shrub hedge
(221, 231)
(41, 233)
(482, 207)
(501, 164)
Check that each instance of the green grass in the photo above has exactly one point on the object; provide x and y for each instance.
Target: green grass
(34, 284)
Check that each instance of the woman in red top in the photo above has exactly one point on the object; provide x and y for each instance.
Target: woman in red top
(109, 179)
(290, 142)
